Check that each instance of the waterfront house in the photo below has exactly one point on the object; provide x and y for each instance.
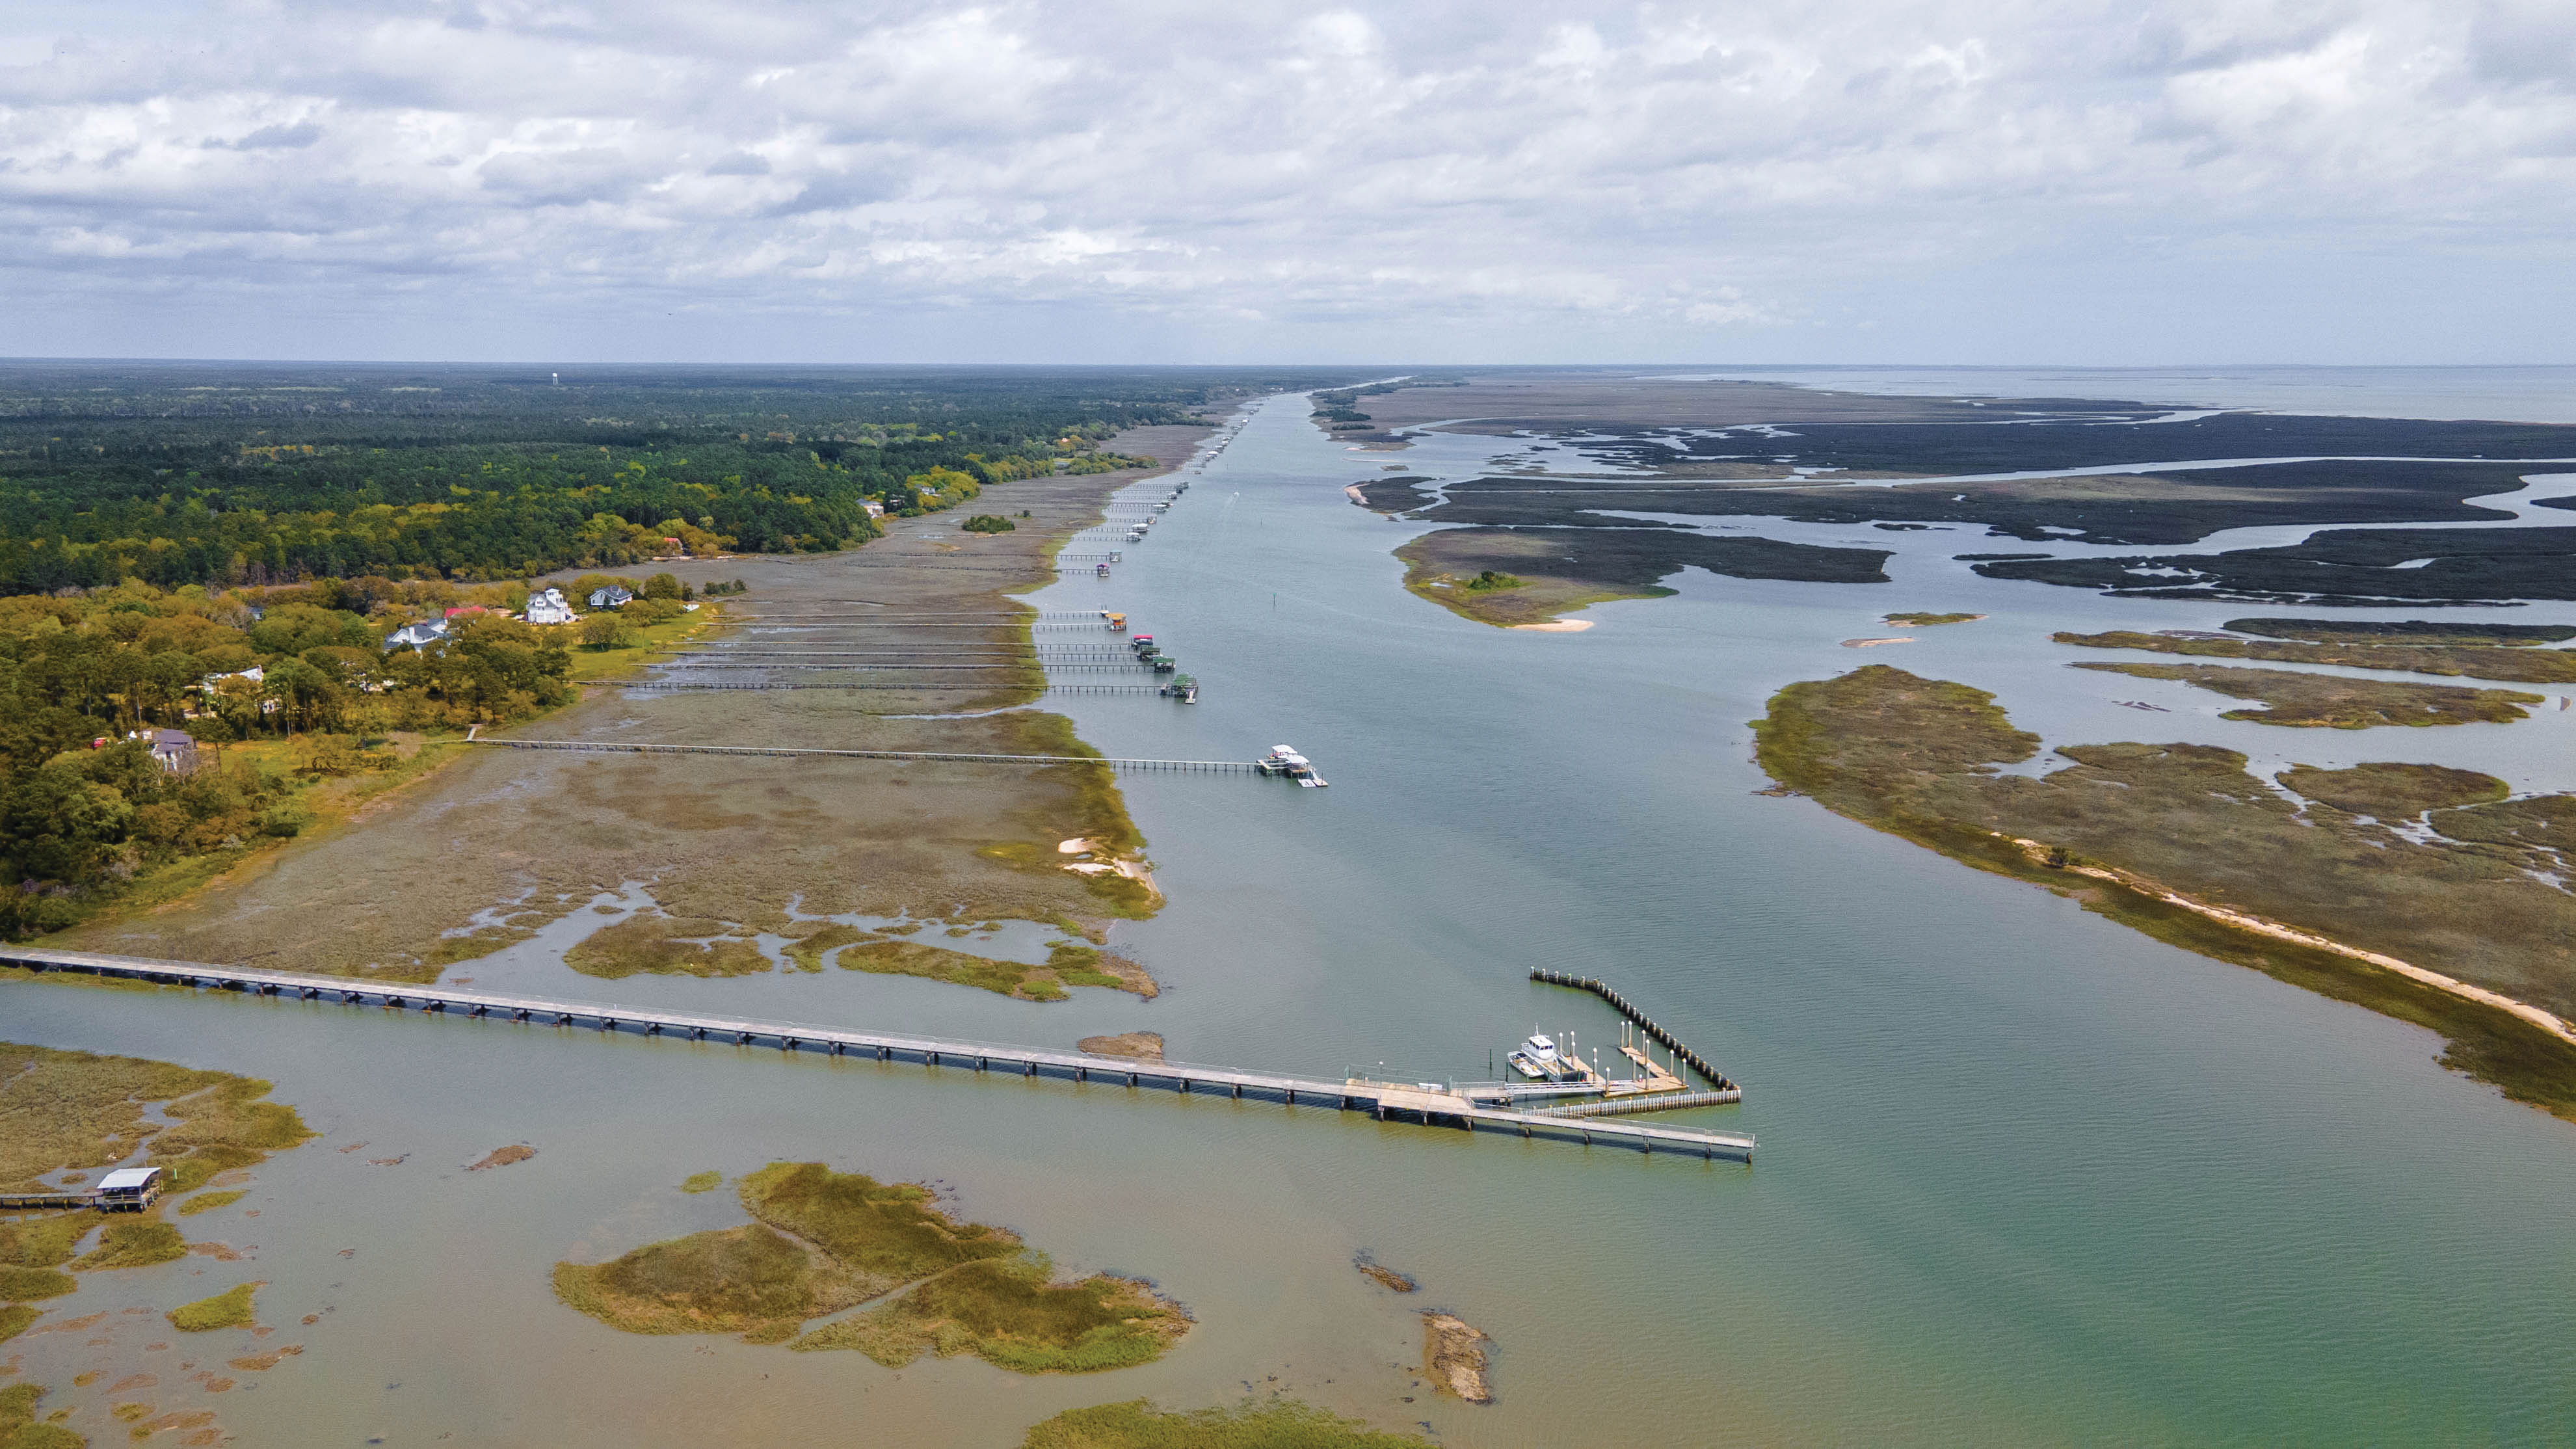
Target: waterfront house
(612, 597)
(550, 607)
(415, 636)
(254, 674)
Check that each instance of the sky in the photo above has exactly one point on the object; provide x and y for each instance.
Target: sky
(2100, 182)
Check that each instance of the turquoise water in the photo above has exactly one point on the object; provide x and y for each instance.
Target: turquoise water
(2025, 1177)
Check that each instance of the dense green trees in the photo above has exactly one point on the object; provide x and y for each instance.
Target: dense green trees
(243, 474)
(83, 804)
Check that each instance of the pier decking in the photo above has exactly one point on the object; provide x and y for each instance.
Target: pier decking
(1380, 1100)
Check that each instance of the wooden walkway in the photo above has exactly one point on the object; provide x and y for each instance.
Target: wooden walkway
(1381, 1100)
(603, 747)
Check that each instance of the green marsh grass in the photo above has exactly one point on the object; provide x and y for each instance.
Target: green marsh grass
(228, 1309)
(1282, 1424)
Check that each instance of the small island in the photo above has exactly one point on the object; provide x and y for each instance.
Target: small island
(822, 1242)
(1926, 621)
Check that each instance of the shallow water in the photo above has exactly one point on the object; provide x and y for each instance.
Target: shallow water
(2025, 1177)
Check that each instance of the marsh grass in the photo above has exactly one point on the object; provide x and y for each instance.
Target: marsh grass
(2411, 631)
(698, 1182)
(14, 1319)
(660, 945)
(2299, 699)
(726, 1280)
(27, 1285)
(209, 1201)
(228, 1309)
(2391, 791)
(19, 1428)
(2449, 655)
(43, 1242)
(79, 1110)
(824, 1241)
(1915, 757)
(133, 1243)
(1927, 621)
(809, 951)
(1281, 1424)
(891, 1231)
(1009, 1313)
(938, 963)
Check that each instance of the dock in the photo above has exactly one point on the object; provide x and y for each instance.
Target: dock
(1382, 1101)
(1644, 1023)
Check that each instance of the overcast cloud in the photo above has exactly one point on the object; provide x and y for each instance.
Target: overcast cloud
(1794, 180)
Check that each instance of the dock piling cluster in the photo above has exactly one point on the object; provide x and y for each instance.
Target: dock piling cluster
(1645, 1023)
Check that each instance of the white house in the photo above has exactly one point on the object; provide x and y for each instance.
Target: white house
(254, 674)
(177, 752)
(414, 636)
(550, 608)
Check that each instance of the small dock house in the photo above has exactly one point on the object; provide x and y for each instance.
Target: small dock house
(128, 1189)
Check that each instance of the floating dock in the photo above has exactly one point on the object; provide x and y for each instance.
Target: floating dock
(1382, 1100)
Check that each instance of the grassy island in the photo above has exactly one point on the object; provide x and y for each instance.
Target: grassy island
(1279, 1424)
(2181, 842)
(824, 1241)
(228, 1309)
(2297, 698)
(1927, 621)
(1513, 576)
(2450, 656)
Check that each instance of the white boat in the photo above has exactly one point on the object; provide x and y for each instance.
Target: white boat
(1537, 1060)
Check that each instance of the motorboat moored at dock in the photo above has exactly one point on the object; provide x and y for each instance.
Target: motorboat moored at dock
(1284, 760)
(1537, 1059)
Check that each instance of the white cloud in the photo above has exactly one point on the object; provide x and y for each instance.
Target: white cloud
(509, 177)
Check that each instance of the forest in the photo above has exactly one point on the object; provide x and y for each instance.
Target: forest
(230, 474)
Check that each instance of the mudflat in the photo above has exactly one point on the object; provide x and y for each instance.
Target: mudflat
(486, 850)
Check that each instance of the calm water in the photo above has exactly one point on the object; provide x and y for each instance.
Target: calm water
(2025, 1177)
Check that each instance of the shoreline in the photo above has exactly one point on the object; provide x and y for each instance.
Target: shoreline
(2548, 1021)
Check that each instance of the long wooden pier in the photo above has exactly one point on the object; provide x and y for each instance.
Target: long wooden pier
(606, 747)
(1381, 1100)
(921, 687)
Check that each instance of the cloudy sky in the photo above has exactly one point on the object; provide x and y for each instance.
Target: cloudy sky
(2046, 181)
